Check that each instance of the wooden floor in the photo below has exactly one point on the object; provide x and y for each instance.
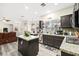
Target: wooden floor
(11, 49)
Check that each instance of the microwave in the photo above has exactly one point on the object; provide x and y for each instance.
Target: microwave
(75, 19)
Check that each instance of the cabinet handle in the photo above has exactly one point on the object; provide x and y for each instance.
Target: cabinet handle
(21, 42)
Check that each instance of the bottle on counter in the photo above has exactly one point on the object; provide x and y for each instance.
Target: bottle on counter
(77, 34)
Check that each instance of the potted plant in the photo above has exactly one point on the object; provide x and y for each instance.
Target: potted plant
(26, 33)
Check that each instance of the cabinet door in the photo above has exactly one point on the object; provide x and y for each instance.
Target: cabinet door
(45, 39)
(62, 21)
(78, 18)
(22, 46)
(78, 5)
(48, 40)
(33, 47)
(70, 20)
(51, 41)
(57, 41)
(66, 21)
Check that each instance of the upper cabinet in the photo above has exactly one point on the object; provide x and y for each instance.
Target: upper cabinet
(75, 20)
(66, 21)
(76, 6)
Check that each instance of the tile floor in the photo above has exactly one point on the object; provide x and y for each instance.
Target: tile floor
(11, 49)
(45, 50)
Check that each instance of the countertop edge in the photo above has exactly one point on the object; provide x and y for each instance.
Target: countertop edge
(28, 38)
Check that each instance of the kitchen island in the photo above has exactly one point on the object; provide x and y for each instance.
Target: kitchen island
(28, 46)
(60, 42)
(54, 40)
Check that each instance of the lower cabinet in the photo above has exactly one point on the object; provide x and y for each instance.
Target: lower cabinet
(28, 48)
(54, 41)
(65, 54)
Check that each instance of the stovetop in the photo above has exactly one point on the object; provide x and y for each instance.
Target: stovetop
(72, 40)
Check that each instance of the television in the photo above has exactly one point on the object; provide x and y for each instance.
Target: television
(5, 29)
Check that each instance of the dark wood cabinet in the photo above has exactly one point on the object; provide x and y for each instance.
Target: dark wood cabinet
(66, 21)
(41, 24)
(7, 37)
(28, 48)
(75, 20)
(54, 41)
(65, 54)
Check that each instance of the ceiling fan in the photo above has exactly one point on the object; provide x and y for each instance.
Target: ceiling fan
(43, 4)
(5, 19)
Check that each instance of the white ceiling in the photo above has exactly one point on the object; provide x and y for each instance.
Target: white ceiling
(34, 10)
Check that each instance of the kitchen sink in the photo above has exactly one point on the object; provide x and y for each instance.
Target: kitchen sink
(72, 40)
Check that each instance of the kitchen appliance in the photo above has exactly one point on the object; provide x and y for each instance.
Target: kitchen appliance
(75, 19)
(41, 24)
(59, 32)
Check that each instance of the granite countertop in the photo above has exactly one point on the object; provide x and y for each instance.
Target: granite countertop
(31, 37)
(69, 48)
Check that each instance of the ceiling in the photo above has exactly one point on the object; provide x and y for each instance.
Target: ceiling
(29, 10)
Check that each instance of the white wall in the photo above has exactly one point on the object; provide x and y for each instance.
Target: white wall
(58, 14)
(65, 11)
(5, 25)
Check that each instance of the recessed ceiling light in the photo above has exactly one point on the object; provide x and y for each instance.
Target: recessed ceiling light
(26, 7)
(51, 16)
(48, 11)
(55, 3)
(36, 12)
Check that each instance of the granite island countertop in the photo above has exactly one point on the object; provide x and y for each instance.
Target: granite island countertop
(31, 37)
(69, 48)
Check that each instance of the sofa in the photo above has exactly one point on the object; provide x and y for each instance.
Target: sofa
(7, 37)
